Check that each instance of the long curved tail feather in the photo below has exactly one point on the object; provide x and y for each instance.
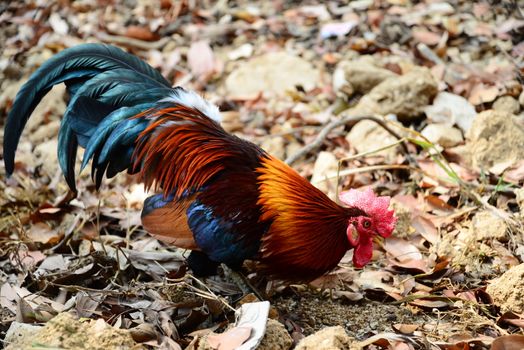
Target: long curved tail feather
(103, 81)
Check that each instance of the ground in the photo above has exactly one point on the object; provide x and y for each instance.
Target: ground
(419, 100)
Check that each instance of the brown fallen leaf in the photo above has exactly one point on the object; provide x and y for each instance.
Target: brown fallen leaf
(27, 258)
(401, 250)
(405, 328)
(512, 318)
(426, 228)
(424, 303)
(42, 233)
(377, 281)
(425, 36)
(141, 33)
(508, 342)
(515, 173)
(482, 93)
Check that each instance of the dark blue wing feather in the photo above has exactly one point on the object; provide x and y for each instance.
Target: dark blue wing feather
(217, 237)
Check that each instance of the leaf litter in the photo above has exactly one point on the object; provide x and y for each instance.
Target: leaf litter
(435, 284)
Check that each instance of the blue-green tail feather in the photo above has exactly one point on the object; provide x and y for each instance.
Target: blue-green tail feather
(107, 87)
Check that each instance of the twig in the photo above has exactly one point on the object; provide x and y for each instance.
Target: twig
(208, 293)
(132, 42)
(365, 169)
(350, 119)
(242, 282)
(76, 288)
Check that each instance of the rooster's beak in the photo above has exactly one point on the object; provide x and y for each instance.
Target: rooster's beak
(378, 240)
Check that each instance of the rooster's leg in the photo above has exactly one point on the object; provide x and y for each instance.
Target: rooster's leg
(242, 282)
(201, 265)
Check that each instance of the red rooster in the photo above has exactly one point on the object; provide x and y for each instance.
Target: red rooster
(222, 197)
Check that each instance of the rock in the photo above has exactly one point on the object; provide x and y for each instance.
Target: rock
(520, 199)
(367, 136)
(451, 109)
(325, 165)
(276, 337)
(405, 96)
(444, 135)
(19, 332)
(507, 291)
(507, 104)
(65, 331)
(243, 51)
(272, 73)
(361, 76)
(486, 225)
(330, 338)
(495, 137)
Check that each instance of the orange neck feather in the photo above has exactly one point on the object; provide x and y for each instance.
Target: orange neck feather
(308, 235)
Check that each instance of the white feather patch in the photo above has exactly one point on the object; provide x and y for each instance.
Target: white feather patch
(194, 100)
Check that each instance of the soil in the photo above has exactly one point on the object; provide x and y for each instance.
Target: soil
(313, 312)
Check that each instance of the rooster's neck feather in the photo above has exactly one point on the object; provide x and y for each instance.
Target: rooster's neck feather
(308, 230)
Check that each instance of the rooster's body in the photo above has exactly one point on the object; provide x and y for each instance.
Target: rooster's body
(222, 197)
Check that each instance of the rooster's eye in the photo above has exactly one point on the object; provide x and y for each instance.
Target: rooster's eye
(366, 224)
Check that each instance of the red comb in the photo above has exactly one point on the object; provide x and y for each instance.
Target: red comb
(377, 208)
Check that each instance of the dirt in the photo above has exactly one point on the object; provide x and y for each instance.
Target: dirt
(315, 312)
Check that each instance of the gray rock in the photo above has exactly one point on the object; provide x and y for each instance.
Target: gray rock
(361, 75)
(405, 96)
(330, 338)
(495, 137)
(444, 135)
(272, 73)
(507, 104)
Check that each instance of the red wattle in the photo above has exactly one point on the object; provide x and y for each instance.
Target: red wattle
(363, 252)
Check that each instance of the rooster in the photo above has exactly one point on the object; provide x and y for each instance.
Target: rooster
(220, 196)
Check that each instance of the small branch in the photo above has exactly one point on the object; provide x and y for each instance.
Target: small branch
(347, 120)
(132, 42)
(365, 169)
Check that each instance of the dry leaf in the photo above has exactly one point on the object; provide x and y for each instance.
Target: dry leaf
(508, 342)
(402, 250)
(426, 37)
(512, 318)
(426, 228)
(201, 59)
(42, 233)
(405, 328)
(141, 33)
(482, 93)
